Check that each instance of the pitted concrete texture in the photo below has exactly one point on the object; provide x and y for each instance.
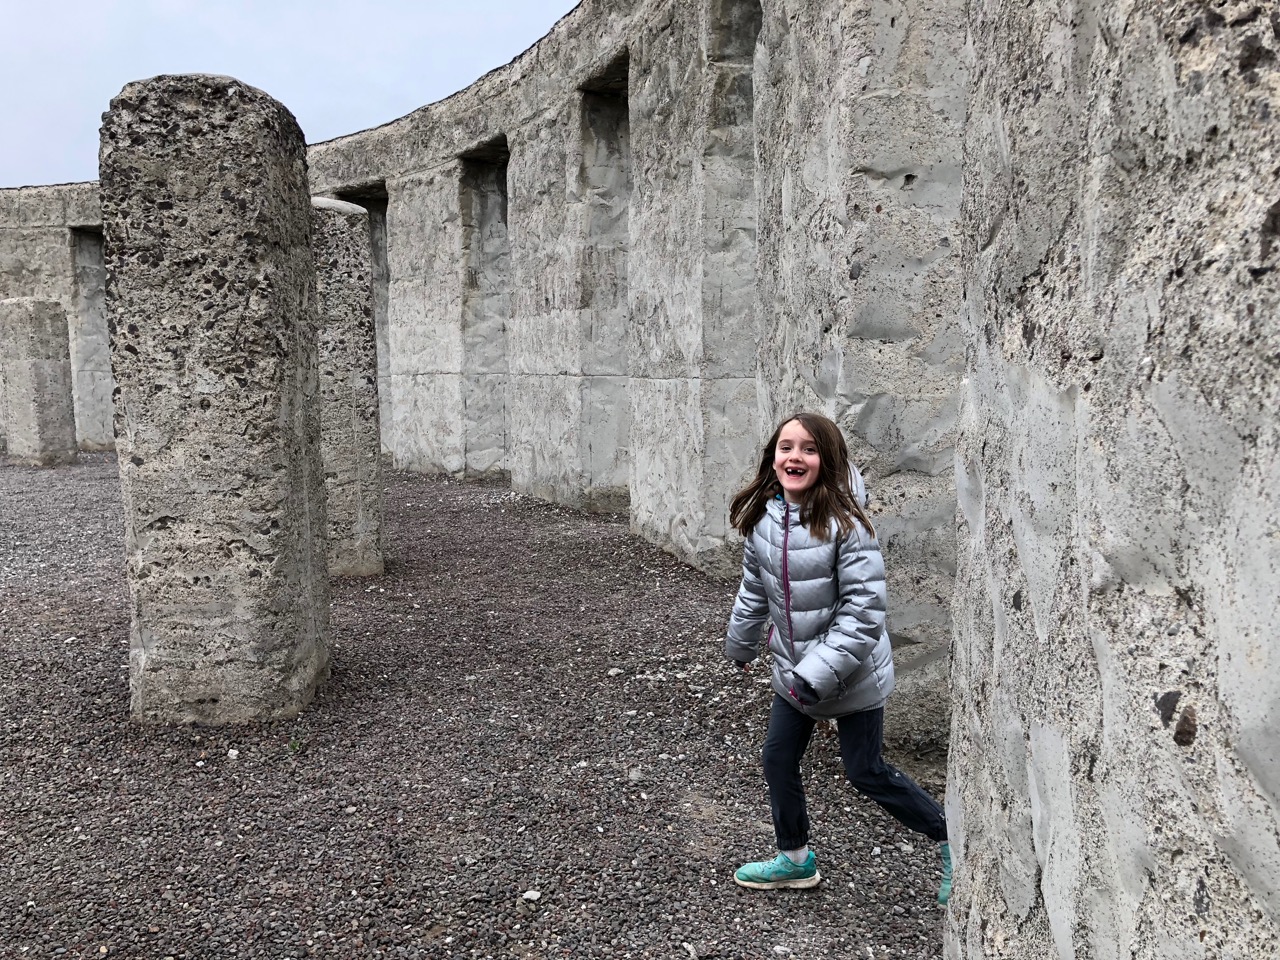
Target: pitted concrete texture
(1115, 764)
(349, 436)
(211, 295)
(486, 309)
(35, 380)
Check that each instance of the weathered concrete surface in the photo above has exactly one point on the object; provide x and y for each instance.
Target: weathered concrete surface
(50, 249)
(694, 336)
(1115, 764)
(381, 303)
(859, 117)
(211, 295)
(424, 322)
(35, 382)
(566, 408)
(486, 309)
(568, 401)
(349, 435)
(376, 207)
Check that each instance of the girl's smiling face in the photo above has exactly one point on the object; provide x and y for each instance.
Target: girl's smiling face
(795, 460)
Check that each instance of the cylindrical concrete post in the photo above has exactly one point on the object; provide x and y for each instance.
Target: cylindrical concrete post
(350, 439)
(35, 356)
(211, 300)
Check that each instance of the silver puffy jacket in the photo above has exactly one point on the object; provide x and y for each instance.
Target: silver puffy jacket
(824, 602)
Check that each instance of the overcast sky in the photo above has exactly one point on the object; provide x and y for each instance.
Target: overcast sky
(340, 67)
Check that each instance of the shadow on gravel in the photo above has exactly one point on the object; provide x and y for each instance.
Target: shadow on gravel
(529, 747)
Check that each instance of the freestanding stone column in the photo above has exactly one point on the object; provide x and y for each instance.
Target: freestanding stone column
(36, 376)
(350, 439)
(211, 300)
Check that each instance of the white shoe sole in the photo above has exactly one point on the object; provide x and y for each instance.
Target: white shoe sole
(804, 883)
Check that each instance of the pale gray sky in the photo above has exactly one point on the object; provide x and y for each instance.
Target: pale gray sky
(339, 66)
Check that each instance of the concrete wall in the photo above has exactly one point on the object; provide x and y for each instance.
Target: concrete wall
(859, 117)
(51, 249)
(569, 410)
(694, 430)
(486, 309)
(1115, 764)
(716, 212)
(90, 344)
(424, 320)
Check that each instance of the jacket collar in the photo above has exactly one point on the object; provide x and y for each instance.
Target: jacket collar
(777, 509)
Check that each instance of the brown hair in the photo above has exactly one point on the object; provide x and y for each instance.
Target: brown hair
(830, 498)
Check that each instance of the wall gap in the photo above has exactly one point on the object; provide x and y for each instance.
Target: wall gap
(604, 192)
(486, 307)
(92, 385)
(373, 197)
(735, 28)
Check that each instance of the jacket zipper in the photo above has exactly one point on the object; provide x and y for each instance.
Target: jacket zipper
(786, 578)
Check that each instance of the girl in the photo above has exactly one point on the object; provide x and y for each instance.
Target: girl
(812, 568)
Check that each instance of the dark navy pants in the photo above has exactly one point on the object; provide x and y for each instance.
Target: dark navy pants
(860, 739)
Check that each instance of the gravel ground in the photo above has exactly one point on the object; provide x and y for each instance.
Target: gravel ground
(529, 747)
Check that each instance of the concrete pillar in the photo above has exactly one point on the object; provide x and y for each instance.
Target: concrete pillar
(424, 321)
(211, 297)
(693, 361)
(36, 376)
(857, 310)
(349, 435)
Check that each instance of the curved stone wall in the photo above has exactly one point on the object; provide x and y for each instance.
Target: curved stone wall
(724, 211)
(858, 133)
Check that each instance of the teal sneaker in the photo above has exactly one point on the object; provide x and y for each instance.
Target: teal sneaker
(944, 889)
(779, 873)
